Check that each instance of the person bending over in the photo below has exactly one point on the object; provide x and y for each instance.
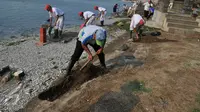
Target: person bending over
(94, 36)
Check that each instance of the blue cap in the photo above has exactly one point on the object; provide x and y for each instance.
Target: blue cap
(100, 37)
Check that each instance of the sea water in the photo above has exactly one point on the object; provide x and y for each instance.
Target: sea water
(24, 17)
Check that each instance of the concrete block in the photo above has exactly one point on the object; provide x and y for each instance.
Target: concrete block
(19, 74)
(4, 70)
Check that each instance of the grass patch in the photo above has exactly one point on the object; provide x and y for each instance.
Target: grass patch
(15, 43)
(198, 98)
(135, 86)
(196, 110)
(123, 24)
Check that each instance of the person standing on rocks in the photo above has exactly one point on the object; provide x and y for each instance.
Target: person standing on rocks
(115, 7)
(93, 35)
(102, 14)
(89, 17)
(125, 8)
(136, 23)
(58, 15)
(132, 9)
(151, 11)
(146, 9)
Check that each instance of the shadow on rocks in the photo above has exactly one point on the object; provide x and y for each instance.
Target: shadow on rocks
(66, 37)
(123, 60)
(78, 78)
(115, 102)
(152, 37)
(88, 73)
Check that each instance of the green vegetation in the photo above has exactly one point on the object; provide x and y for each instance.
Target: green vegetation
(196, 110)
(198, 98)
(198, 101)
(135, 86)
(14, 43)
(123, 24)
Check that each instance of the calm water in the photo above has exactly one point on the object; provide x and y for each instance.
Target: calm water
(21, 17)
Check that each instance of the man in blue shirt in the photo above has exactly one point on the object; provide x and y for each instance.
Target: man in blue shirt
(93, 35)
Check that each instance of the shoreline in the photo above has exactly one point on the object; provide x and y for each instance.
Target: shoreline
(30, 35)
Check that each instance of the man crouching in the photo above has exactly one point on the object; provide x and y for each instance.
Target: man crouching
(93, 35)
(137, 22)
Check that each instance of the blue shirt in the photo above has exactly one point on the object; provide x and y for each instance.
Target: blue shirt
(151, 9)
(86, 34)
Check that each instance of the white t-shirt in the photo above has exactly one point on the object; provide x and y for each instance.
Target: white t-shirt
(101, 9)
(55, 12)
(88, 14)
(133, 4)
(146, 6)
(135, 20)
(86, 33)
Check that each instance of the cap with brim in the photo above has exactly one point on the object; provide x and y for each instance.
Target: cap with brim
(47, 6)
(100, 37)
(101, 42)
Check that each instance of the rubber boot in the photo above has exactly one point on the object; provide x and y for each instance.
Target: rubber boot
(131, 36)
(140, 33)
(49, 31)
(60, 33)
(55, 34)
(131, 33)
(69, 68)
(102, 23)
(102, 60)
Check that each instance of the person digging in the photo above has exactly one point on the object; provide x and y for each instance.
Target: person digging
(102, 14)
(58, 15)
(137, 22)
(94, 36)
(89, 17)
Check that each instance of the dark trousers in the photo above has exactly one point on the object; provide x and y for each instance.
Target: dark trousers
(151, 14)
(138, 31)
(78, 52)
(146, 13)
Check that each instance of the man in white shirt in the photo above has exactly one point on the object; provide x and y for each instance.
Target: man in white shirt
(89, 17)
(102, 14)
(125, 8)
(94, 36)
(132, 9)
(58, 24)
(146, 8)
(136, 23)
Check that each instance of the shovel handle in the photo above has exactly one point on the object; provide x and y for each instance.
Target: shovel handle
(86, 63)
